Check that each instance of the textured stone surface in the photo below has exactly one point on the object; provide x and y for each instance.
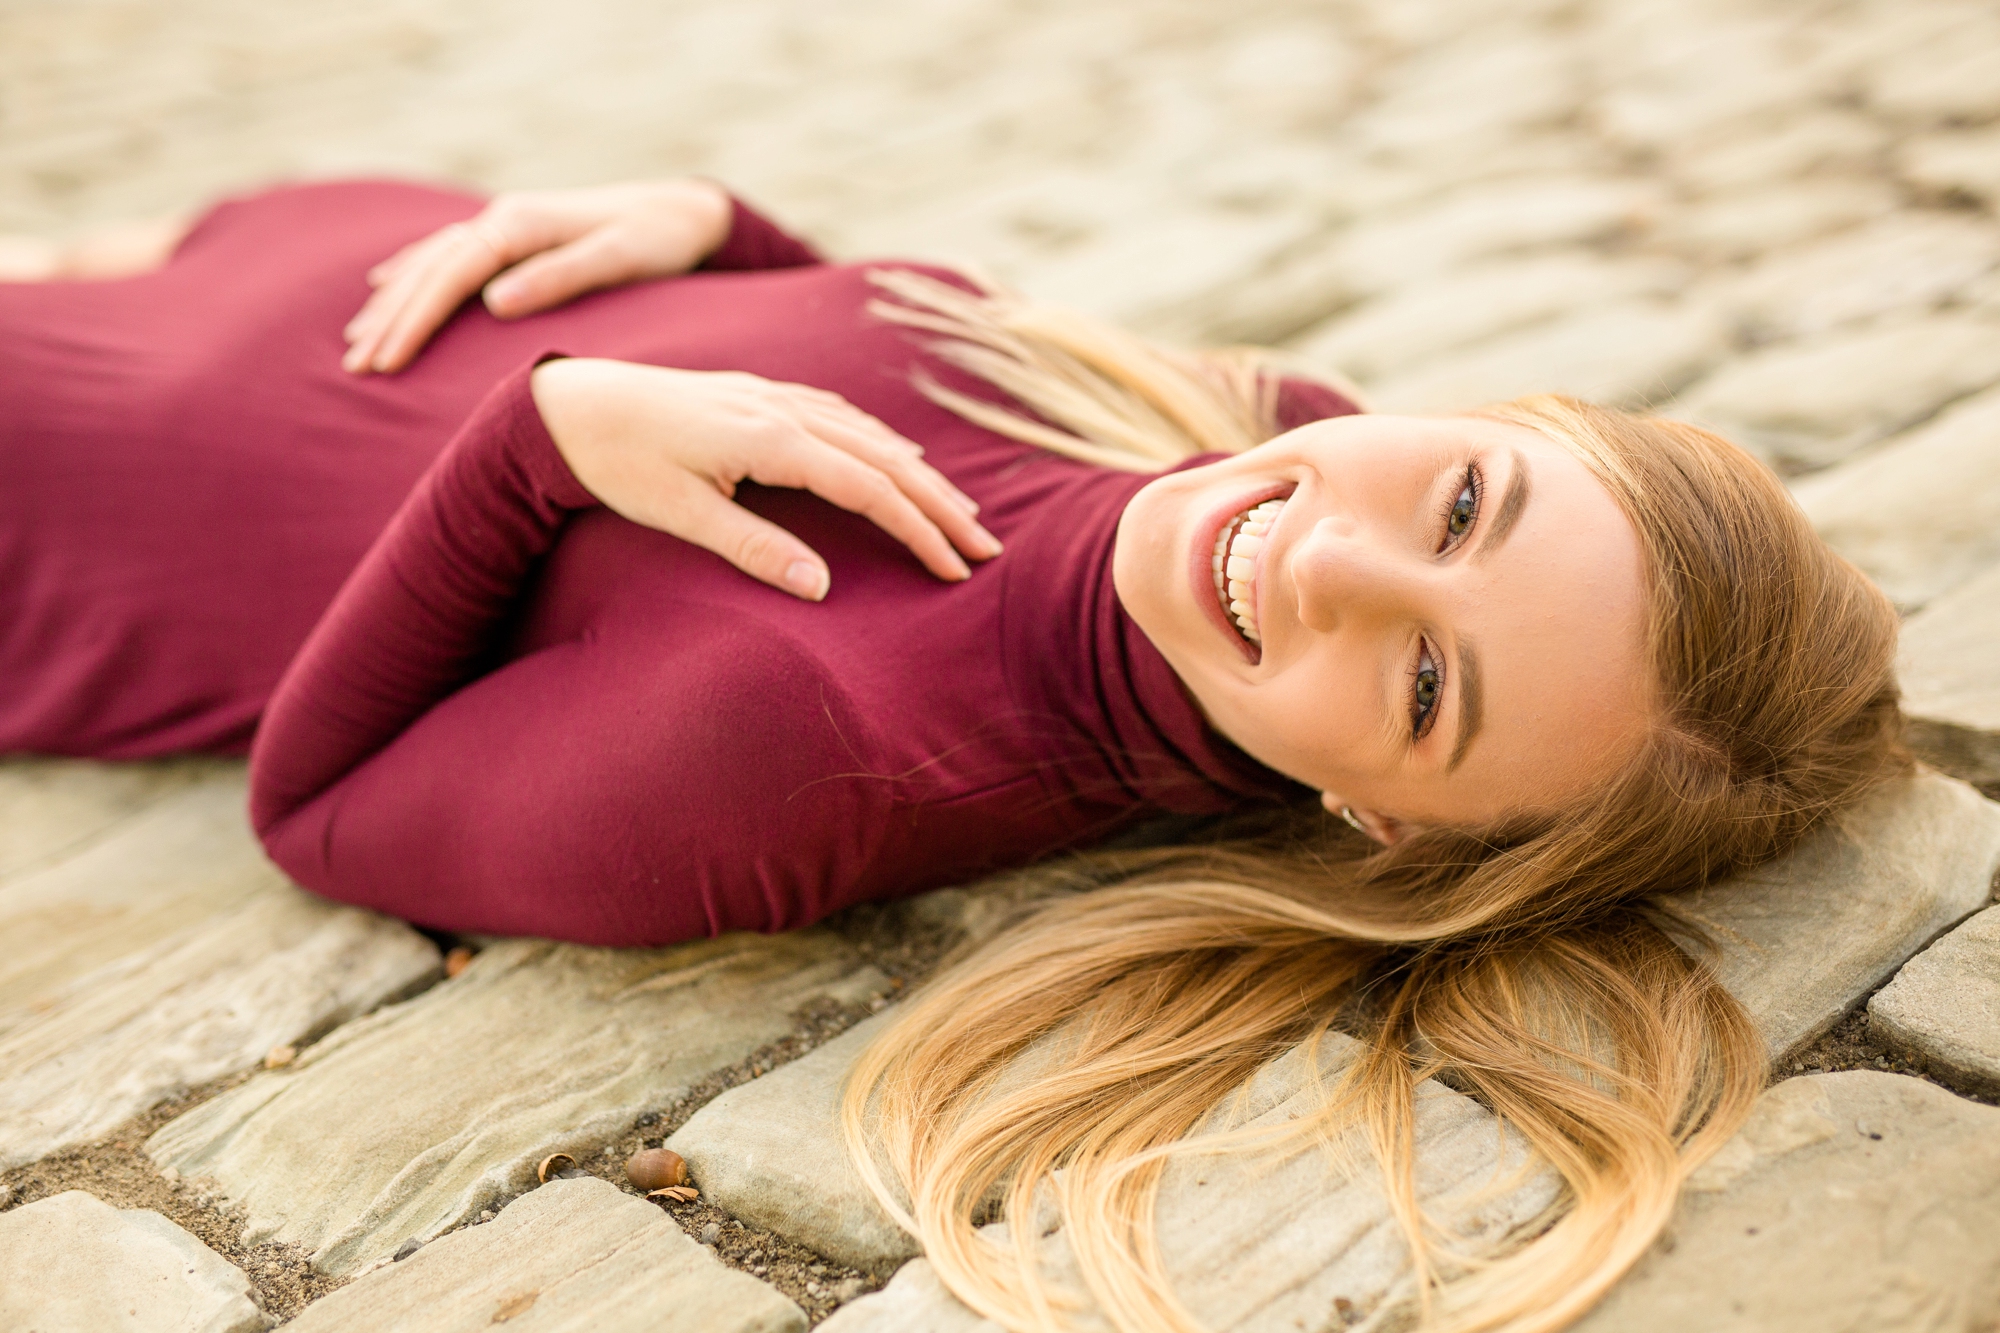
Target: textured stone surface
(1896, 266)
(1921, 514)
(1804, 938)
(1850, 1201)
(1629, 354)
(71, 1263)
(573, 1254)
(165, 954)
(1962, 162)
(1810, 403)
(1400, 331)
(1271, 1240)
(53, 807)
(770, 1152)
(406, 1123)
(1942, 1010)
(1951, 690)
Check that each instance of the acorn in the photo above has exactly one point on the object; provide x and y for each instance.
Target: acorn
(656, 1168)
(548, 1165)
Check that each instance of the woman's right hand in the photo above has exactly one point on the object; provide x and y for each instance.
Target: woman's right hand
(667, 448)
(530, 251)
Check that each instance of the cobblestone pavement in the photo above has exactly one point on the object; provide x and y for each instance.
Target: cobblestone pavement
(1777, 218)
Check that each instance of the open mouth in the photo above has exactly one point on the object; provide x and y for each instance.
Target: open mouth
(1234, 565)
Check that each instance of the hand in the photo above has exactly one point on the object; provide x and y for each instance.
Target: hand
(547, 246)
(667, 448)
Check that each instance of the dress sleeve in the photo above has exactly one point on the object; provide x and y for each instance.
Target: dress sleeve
(374, 769)
(754, 241)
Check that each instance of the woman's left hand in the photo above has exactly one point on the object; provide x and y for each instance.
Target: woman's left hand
(668, 448)
(546, 247)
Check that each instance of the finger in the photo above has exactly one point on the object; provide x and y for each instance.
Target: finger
(943, 503)
(754, 544)
(435, 294)
(600, 258)
(838, 476)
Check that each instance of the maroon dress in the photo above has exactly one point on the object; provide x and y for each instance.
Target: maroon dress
(482, 702)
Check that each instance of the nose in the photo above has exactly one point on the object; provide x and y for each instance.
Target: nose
(1340, 573)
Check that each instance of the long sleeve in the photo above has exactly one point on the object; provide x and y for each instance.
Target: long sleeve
(418, 616)
(419, 758)
(754, 241)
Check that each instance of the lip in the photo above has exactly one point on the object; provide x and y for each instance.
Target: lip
(1201, 577)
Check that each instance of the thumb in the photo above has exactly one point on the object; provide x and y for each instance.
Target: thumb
(592, 261)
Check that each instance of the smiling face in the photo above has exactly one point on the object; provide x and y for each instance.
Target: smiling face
(1436, 621)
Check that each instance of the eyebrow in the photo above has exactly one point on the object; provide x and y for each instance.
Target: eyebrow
(1511, 505)
(1470, 714)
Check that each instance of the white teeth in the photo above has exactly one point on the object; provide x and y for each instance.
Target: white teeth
(1234, 564)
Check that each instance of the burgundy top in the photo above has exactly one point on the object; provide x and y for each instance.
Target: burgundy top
(521, 713)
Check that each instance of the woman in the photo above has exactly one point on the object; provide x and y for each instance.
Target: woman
(1552, 661)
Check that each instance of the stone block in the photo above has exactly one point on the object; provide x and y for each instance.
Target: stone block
(404, 1124)
(1772, 217)
(72, 1263)
(1278, 1238)
(1920, 514)
(1811, 140)
(1942, 1011)
(1629, 354)
(1951, 691)
(1958, 162)
(573, 1254)
(1955, 77)
(1805, 937)
(1403, 329)
(53, 807)
(1811, 403)
(1901, 265)
(1857, 1200)
(770, 1152)
(1381, 254)
(165, 954)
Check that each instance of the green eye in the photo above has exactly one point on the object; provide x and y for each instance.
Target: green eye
(1427, 689)
(1462, 510)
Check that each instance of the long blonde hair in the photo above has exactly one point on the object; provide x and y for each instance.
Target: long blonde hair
(1534, 964)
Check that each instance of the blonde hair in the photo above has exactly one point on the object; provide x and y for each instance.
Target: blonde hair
(1534, 964)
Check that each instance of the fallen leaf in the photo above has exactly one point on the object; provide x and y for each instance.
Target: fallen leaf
(280, 1056)
(678, 1193)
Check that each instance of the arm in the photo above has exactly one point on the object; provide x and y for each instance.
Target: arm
(394, 759)
(534, 250)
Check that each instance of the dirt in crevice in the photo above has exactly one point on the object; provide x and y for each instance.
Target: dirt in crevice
(117, 1170)
(1847, 1045)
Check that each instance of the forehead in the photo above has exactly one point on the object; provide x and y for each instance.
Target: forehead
(1562, 629)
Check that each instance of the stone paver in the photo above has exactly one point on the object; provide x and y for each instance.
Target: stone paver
(168, 953)
(1942, 1011)
(71, 1263)
(1804, 938)
(1850, 1201)
(50, 807)
(1810, 403)
(1276, 1239)
(1921, 514)
(770, 1152)
(411, 1121)
(1801, 942)
(572, 1255)
(1951, 690)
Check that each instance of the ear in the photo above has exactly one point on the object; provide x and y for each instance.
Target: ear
(1385, 829)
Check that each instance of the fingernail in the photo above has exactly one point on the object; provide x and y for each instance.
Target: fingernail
(964, 570)
(807, 580)
(989, 543)
(501, 293)
(971, 505)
